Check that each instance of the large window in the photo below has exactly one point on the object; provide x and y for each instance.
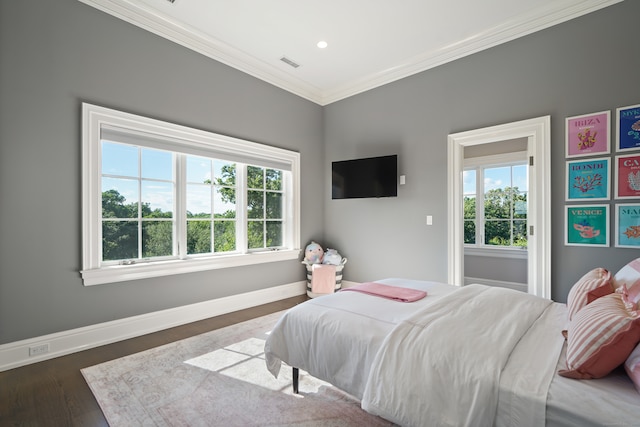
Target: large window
(161, 199)
(495, 201)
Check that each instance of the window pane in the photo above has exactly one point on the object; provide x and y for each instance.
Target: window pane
(520, 178)
(119, 159)
(256, 234)
(520, 206)
(497, 199)
(157, 199)
(225, 173)
(274, 233)
(495, 178)
(497, 233)
(198, 237)
(497, 204)
(157, 238)
(157, 164)
(274, 179)
(255, 204)
(520, 233)
(224, 200)
(119, 240)
(274, 205)
(255, 177)
(224, 236)
(470, 232)
(469, 207)
(119, 198)
(198, 170)
(198, 201)
(469, 182)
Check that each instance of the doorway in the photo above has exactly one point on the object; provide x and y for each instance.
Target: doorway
(537, 133)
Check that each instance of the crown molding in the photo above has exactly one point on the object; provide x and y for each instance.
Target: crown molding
(146, 18)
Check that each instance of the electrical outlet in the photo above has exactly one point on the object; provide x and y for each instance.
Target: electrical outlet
(37, 350)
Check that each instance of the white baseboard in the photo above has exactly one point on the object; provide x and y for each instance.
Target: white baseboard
(499, 283)
(347, 284)
(15, 354)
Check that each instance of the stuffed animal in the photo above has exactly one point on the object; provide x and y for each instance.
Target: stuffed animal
(313, 253)
(332, 257)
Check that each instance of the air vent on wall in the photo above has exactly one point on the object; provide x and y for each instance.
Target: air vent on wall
(289, 62)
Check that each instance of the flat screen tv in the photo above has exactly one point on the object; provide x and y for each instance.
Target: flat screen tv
(361, 178)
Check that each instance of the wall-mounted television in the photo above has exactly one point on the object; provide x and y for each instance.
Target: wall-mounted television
(361, 178)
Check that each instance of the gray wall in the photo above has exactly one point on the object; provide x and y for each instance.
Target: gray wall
(581, 66)
(55, 55)
(494, 268)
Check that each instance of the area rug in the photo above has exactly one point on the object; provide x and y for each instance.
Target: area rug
(217, 379)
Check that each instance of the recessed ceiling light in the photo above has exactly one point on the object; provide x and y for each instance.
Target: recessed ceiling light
(322, 44)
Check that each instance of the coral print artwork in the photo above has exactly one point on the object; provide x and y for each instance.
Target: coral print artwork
(587, 225)
(628, 177)
(588, 179)
(628, 135)
(628, 226)
(587, 134)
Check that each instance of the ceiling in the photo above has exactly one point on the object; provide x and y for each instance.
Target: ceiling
(370, 42)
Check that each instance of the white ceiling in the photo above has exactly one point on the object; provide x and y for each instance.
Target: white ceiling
(370, 42)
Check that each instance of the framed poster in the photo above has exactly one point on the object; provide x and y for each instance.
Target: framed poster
(628, 225)
(588, 179)
(627, 177)
(586, 225)
(587, 134)
(628, 128)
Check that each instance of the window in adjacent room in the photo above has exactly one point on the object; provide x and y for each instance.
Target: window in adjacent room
(495, 201)
(160, 198)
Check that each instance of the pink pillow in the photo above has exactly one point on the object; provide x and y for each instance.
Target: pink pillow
(632, 366)
(591, 286)
(629, 275)
(601, 337)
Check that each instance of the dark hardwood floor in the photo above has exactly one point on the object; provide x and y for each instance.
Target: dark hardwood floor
(54, 392)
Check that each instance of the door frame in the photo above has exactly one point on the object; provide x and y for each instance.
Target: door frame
(538, 134)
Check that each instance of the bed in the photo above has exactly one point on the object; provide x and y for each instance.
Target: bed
(443, 360)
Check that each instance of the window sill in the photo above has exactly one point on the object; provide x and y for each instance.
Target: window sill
(496, 252)
(121, 273)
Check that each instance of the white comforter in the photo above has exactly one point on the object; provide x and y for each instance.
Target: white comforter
(452, 363)
(336, 337)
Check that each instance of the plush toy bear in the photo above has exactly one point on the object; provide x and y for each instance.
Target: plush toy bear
(332, 257)
(313, 253)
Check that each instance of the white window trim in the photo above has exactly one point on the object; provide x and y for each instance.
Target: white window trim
(497, 160)
(93, 119)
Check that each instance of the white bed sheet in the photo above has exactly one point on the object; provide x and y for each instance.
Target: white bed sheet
(608, 401)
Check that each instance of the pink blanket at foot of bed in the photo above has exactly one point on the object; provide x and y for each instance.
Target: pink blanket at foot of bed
(386, 291)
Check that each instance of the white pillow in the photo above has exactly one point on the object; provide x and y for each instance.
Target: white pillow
(629, 275)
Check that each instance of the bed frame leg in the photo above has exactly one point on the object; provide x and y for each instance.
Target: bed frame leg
(296, 376)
